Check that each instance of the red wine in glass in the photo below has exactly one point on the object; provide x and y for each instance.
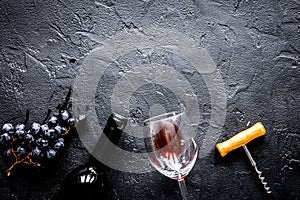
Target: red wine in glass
(172, 151)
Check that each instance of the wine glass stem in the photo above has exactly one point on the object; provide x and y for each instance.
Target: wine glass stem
(183, 190)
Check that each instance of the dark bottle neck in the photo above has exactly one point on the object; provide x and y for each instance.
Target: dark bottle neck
(107, 143)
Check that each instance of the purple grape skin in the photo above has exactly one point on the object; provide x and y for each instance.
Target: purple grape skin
(59, 145)
(44, 143)
(47, 134)
(36, 152)
(65, 115)
(53, 120)
(63, 130)
(45, 127)
(20, 127)
(8, 128)
(58, 129)
(35, 127)
(50, 133)
(5, 137)
(51, 153)
(60, 140)
(20, 133)
(71, 121)
(39, 141)
(29, 138)
(21, 150)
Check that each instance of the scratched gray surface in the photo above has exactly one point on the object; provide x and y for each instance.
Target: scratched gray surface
(255, 45)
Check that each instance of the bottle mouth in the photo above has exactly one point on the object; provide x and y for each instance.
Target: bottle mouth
(120, 120)
(165, 116)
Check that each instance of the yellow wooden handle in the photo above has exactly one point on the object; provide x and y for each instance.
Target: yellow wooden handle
(241, 138)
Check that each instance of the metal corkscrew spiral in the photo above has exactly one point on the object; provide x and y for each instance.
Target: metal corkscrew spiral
(241, 139)
(253, 163)
(268, 189)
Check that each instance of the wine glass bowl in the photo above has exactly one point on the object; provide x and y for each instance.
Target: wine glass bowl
(172, 150)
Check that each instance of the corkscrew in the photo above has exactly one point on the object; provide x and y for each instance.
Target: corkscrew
(241, 139)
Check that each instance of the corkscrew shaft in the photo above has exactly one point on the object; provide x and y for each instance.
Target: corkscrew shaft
(253, 163)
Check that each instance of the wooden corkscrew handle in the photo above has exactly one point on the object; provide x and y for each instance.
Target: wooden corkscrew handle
(241, 138)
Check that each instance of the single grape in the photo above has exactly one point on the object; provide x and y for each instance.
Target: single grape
(9, 128)
(58, 129)
(71, 121)
(53, 121)
(39, 141)
(44, 143)
(65, 115)
(5, 137)
(29, 138)
(35, 128)
(58, 145)
(21, 150)
(63, 130)
(46, 133)
(45, 127)
(51, 153)
(50, 133)
(20, 133)
(20, 127)
(36, 152)
(60, 140)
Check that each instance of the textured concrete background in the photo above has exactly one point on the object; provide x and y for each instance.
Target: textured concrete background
(255, 45)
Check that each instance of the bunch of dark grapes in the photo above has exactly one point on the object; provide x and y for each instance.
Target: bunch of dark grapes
(38, 143)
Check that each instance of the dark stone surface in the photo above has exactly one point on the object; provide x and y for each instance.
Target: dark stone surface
(255, 45)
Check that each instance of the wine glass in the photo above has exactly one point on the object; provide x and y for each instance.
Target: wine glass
(171, 147)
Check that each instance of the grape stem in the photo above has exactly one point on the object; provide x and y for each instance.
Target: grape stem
(67, 132)
(27, 117)
(23, 160)
(27, 159)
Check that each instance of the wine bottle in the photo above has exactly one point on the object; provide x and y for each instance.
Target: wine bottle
(88, 181)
